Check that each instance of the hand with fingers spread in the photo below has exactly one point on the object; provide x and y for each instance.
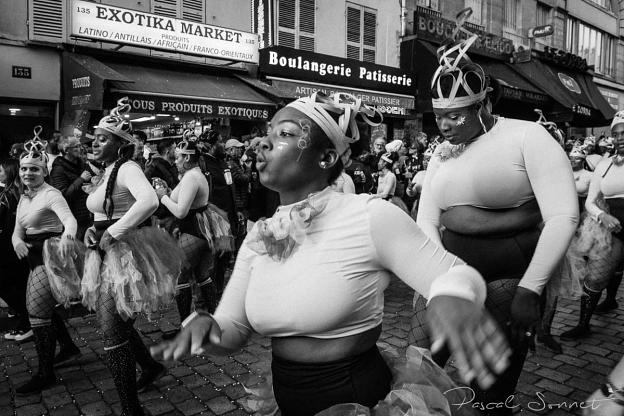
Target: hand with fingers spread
(525, 314)
(199, 330)
(478, 345)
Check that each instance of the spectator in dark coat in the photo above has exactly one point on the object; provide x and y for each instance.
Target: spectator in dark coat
(162, 164)
(240, 179)
(69, 173)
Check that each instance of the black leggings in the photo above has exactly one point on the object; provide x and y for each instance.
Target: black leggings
(13, 283)
(502, 261)
(303, 389)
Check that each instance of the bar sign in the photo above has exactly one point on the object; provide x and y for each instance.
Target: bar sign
(22, 72)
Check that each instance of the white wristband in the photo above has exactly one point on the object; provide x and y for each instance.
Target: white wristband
(460, 281)
(192, 316)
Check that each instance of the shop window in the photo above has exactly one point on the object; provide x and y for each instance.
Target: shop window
(192, 10)
(477, 6)
(296, 23)
(361, 33)
(46, 20)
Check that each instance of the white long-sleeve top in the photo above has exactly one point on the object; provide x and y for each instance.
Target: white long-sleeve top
(511, 164)
(133, 197)
(332, 285)
(607, 181)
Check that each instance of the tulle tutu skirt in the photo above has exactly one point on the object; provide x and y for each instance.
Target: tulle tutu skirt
(591, 242)
(419, 387)
(140, 270)
(64, 264)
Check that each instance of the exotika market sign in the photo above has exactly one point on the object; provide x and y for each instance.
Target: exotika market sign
(133, 27)
(437, 29)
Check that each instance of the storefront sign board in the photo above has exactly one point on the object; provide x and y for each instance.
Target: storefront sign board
(294, 64)
(386, 103)
(437, 29)
(133, 27)
(155, 104)
(524, 96)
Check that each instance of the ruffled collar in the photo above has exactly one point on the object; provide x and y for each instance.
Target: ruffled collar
(280, 235)
(31, 193)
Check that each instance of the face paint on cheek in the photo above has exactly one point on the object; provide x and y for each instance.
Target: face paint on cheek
(304, 141)
(461, 121)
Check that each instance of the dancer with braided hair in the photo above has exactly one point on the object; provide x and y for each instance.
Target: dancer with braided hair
(312, 277)
(490, 185)
(42, 213)
(604, 240)
(128, 269)
(188, 202)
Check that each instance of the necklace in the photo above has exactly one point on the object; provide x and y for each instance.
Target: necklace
(451, 151)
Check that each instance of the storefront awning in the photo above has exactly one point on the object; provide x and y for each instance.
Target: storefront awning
(579, 100)
(166, 91)
(422, 57)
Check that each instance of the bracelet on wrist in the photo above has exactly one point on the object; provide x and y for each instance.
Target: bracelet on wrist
(192, 316)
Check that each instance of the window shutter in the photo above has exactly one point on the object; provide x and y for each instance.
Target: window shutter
(167, 8)
(353, 52)
(353, 25)
(370, 29)
(307, 20)
(286, 18)
(368, 55)
(193, 10)
(286, 39)
(46, 20)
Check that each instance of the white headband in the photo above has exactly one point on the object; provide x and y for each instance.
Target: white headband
(347, 107)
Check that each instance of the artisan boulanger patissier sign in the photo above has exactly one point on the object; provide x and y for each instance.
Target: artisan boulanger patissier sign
(307, 66)
(117, 25)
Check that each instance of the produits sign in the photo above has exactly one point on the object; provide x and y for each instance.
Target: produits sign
(295, 64)
(437, 29)
(133, 27)
(386, 103)
(179, 105)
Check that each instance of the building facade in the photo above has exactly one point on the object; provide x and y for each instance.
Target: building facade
(590, 29)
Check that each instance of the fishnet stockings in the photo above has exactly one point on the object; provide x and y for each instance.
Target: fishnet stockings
(199, 258)
(39, 300)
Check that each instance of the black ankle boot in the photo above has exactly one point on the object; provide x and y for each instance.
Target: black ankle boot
(68, 350)
(610, 303)
(45, 344)
(121, 363)
(589, 300)
(151, 370)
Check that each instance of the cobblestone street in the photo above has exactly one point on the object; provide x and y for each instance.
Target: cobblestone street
(213, 386)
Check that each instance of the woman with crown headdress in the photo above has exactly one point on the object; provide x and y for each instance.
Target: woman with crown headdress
(312, 277)
(601, 237)
(42, 214)
(129, 269)
(489, 186)
(195, 229)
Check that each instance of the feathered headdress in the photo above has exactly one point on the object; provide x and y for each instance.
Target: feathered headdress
(551, 127)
